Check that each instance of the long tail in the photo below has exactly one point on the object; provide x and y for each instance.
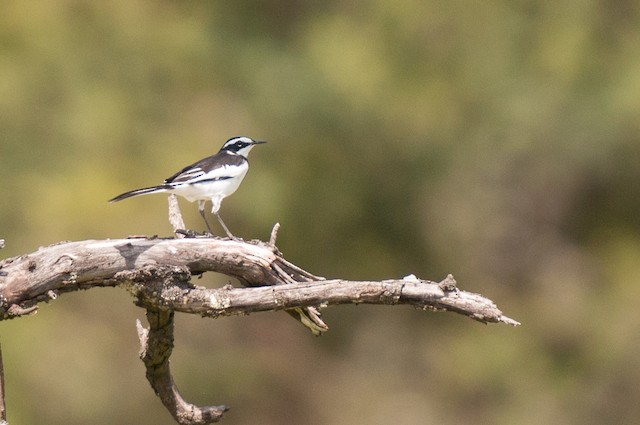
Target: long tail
(143, 191)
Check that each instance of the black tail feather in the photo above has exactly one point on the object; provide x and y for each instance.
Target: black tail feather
(137, 192)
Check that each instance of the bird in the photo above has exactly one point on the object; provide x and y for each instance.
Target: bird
(210, 179)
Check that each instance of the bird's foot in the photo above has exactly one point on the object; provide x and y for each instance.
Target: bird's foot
(188, 233)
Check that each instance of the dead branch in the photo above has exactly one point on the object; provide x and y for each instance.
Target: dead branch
(156, 345)
(157, 272)
(175, 217)
(3, 410)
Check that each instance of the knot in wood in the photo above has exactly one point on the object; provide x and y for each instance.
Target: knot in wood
(156, 286)
(220, 300)
(150, 273)
(449, 284)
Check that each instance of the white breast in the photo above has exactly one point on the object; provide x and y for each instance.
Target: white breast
(207, 187)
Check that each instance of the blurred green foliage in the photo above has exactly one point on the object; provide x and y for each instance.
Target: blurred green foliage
(497, 141)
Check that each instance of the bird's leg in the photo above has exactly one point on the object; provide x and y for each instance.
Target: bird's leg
(224, 226)
(215, 203)
(204, 217)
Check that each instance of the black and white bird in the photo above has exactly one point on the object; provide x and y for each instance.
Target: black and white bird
(210, 179)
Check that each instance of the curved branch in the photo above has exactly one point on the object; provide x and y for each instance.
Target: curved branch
(157, 273)
(156, 345)
(41, 275)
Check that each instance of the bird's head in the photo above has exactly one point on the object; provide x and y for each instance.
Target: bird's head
(240, 145)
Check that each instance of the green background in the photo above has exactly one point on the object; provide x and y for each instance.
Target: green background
(497, 141)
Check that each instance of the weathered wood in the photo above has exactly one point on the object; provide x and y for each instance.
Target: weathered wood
(157, 272)
(72, 265)
(156, 345)
(41, 275)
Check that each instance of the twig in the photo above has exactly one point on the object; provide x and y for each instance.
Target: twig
(175, 217)
(3, 409)
(295, 270)
(274, 235)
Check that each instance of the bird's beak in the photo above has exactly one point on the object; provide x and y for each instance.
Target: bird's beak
(259, 142)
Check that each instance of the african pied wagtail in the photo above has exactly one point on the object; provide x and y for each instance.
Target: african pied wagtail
(213, 179)
(210, 179)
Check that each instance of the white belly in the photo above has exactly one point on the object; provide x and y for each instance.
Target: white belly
(213, 191)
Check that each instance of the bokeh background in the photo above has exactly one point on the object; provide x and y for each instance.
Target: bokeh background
(494, 140)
